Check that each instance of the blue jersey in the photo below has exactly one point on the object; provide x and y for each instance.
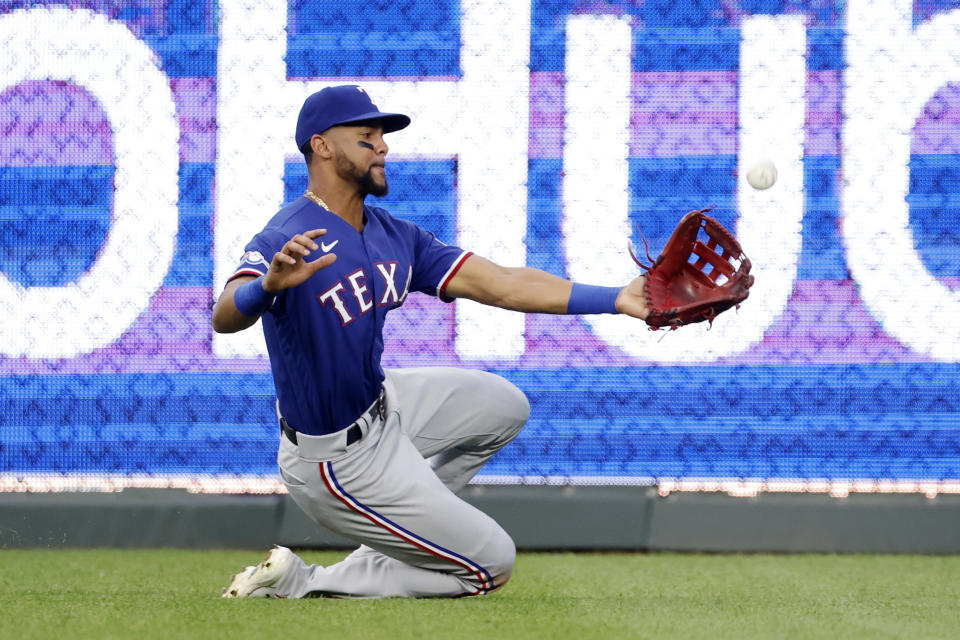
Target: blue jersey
(325, 337)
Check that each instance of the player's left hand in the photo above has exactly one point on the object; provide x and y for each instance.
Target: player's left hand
(632, 300)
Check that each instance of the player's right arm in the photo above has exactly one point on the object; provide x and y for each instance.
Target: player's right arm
(287, 269)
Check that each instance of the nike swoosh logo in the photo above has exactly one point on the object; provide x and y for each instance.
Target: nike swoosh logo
(327, 247)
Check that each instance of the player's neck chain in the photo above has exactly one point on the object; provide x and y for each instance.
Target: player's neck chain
(317, 199)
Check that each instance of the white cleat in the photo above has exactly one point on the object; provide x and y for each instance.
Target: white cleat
(260, 581)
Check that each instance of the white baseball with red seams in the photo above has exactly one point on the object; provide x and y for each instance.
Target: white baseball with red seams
(762, 175)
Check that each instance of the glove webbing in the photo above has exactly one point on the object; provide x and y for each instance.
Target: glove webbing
(707, 255)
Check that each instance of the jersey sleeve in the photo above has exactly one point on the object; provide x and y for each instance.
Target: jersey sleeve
(435, 264)
(254, 261)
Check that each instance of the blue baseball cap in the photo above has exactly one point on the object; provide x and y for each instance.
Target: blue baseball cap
(345, 104)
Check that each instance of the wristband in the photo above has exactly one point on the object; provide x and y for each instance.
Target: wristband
(587, 298)
(251, 299)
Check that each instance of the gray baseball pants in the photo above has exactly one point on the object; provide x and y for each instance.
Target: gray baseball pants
(393, 491)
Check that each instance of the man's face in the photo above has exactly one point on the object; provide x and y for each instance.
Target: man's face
(360, 153)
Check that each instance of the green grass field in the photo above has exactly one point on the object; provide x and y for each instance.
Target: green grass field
(175, 594)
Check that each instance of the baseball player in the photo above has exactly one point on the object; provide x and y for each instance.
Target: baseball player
(378, 455)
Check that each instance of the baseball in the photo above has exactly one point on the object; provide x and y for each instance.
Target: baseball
(762, 175)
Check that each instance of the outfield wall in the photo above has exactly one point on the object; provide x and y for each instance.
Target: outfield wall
(577, 518)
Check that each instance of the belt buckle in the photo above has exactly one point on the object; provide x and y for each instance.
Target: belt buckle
(382, 406)
(378, 409)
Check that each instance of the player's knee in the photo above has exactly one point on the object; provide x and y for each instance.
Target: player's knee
(502, 558)
(520, 406)
(510, 403)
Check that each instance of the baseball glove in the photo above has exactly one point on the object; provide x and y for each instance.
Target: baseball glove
(681, 290)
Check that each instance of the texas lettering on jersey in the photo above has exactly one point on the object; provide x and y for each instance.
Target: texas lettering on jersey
(356, 285)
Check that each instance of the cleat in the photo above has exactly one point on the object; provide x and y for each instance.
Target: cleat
(232, 590)
(260, 581)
